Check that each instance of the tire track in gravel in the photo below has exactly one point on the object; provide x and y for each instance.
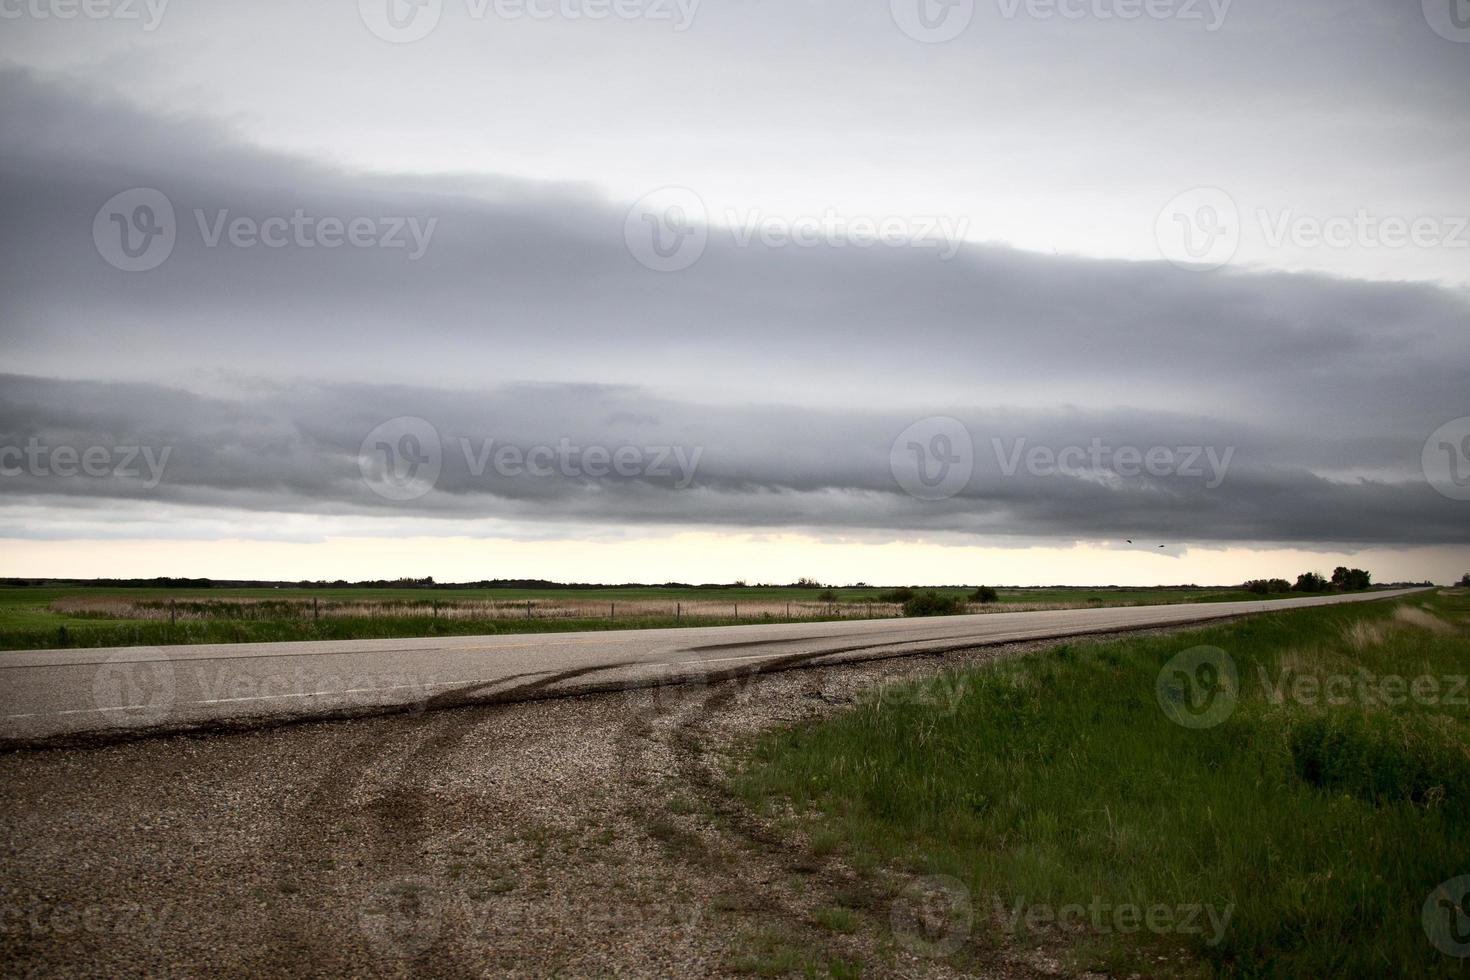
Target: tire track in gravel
(384, 796)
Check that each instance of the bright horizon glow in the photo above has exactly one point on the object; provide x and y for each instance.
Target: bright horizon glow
(699, 558)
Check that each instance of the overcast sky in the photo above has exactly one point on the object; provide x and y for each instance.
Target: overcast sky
(884, 291)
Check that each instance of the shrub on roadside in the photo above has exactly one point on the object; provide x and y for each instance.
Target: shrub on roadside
(933, 604)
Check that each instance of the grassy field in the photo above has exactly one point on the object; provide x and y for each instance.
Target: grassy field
(46, 616)
(1140, 807)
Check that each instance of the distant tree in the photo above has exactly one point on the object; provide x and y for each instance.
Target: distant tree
(1265, 586)
(1465, 581)
(807, 583)
(1309, 582)
(984, 594)
(1346, 579)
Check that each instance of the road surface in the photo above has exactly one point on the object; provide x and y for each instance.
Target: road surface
(60, 695)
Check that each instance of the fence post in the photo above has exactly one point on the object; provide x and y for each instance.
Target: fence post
(173, 613)
(678, 610)
(316, 614)
(612, 610)
(528, 608)
(737, 610)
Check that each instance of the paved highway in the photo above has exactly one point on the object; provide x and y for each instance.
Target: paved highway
(56, 695)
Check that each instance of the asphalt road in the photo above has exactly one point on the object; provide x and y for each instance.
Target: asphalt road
(59, 695)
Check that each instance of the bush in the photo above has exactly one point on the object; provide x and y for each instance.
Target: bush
(896, 596)
(933, 604)
(1309, 582)
(1266, 586)
(1465, 581)
(1346, 579)
(827, 595)
(1379, 759)
(984, 594)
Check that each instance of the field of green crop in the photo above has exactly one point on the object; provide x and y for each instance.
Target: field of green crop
(29, 618)
(1279, 796)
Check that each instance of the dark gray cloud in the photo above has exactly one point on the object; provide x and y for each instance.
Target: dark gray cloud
(298, 449)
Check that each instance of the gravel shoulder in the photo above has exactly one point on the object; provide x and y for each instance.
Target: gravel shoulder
(583, 836)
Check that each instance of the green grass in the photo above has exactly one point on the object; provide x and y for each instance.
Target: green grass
(26, 621)
(1322, 822)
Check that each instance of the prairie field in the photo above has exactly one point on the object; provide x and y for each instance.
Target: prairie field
(50, 616)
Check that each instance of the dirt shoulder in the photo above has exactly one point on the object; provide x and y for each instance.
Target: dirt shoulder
(586, 836)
